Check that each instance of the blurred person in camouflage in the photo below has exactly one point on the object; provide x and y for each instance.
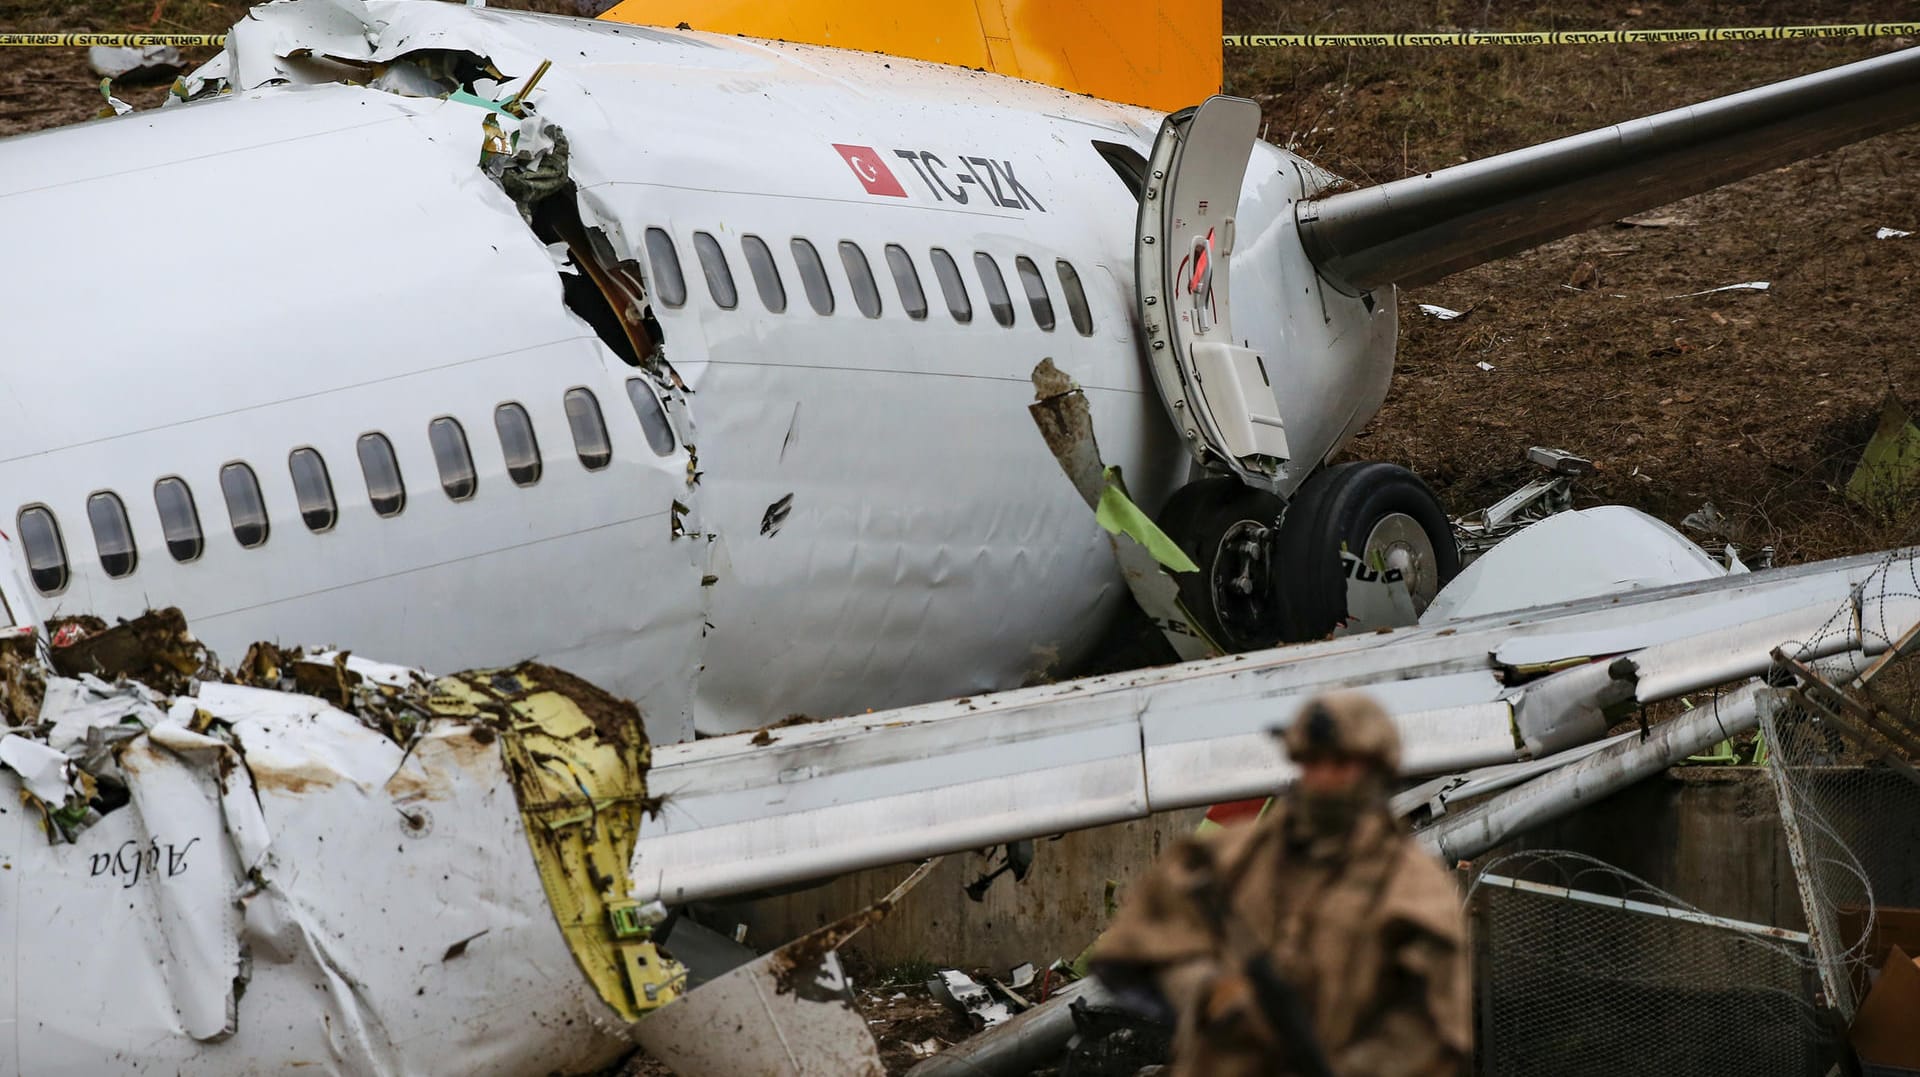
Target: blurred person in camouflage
(1320, 940)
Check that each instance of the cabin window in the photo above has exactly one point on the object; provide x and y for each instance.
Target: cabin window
(952, 285)
(652, 414)
(312, 489)
(866, 294)
(1076, 298)
(46, 554)
(589, 429)
(517, 444)
(713, 262)
(179, 518)
(246, 509)
(382, 470)
(669, 286)
(813, 275)
(995, 286)
(112, 534)
(906, 280)
(1036, 288)
(766, 275)
(452, 458)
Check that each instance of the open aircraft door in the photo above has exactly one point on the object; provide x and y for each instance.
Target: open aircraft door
(1216, 389)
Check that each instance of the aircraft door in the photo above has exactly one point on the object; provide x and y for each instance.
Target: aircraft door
(1216, 389)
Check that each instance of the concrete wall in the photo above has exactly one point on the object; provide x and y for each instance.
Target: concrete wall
(1708, 834)
(1056, 912)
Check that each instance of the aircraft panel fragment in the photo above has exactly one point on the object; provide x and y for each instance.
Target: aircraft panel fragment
(286, 887)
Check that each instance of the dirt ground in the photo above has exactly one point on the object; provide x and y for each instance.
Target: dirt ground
(1756, 401)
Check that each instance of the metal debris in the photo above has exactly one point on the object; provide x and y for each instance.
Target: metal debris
(787, 1012)
(1745, 286)
(1145, 553)
(154, 648)
(153, 63)
(967, 996)
(358, 867)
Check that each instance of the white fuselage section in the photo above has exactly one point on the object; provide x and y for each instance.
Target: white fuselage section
(856, 511)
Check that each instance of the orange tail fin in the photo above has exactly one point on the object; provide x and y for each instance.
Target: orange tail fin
(1163, 54)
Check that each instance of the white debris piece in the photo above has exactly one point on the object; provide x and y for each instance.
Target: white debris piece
(1441, 313)
(280, 892)
(154, 62)
(1483, 365)
(1891, 233)
(42, 770)
(1745, 286)
(383, 673)
(965, 994)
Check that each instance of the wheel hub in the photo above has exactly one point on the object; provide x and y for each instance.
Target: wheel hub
(1399, 548)
(1243, 595)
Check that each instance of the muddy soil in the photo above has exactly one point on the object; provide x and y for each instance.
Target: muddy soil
(1756, 401)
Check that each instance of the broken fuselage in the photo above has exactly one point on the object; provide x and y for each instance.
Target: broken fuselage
(852, 510)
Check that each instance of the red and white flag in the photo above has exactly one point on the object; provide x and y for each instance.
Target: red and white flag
(873, 172)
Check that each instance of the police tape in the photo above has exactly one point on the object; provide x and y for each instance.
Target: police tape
(1576, 37)
(1285, 41)
(133, 41)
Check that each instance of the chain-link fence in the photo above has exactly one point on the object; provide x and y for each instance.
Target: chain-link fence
(1850, 811)
(1581, 968)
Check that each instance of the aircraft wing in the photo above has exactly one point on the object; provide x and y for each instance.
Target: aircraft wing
(1421, 228)
(751, 812)
(353, 842)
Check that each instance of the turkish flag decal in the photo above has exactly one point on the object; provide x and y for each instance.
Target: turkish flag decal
(872, 171)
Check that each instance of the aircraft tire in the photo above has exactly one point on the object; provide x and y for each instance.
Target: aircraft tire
(1373, 509)
(1229, 530)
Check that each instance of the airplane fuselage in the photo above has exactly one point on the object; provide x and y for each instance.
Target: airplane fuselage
(852, 509)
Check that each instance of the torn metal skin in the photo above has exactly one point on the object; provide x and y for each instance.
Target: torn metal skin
(1066, 423)
(789, 1012)
(578, 760)
(269, 881)
(154, 648)
(23, 682)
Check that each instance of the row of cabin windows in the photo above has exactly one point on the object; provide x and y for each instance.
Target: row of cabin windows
(671, 285)
(313, 485)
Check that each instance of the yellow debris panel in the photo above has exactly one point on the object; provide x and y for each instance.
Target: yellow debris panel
(1163, 54)
(578, 758)
(1889, 471)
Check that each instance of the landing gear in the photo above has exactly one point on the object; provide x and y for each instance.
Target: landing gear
(1263, 581)
(1367, 521)
(1230, 530)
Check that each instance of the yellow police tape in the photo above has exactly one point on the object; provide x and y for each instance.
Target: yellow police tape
(134, 41)
(1285, 41)
(1577, 37)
